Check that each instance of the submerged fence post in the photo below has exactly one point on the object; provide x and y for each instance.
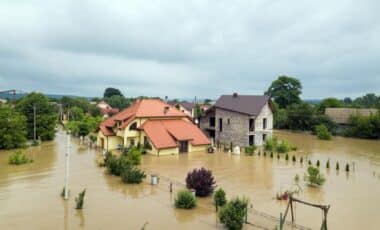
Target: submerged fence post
(66, 195)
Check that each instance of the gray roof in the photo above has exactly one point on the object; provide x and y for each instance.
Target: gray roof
(247, 104)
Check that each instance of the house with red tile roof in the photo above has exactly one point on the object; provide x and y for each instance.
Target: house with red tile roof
(152, 123)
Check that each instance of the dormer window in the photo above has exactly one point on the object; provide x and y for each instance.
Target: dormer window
(133, 126)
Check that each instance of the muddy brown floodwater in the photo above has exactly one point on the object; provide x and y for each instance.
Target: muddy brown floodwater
(30, 194)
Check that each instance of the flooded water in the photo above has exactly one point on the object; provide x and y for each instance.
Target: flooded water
(30, 194)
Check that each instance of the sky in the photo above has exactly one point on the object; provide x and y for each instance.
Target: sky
(183, 49)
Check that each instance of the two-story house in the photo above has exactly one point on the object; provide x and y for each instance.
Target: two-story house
(239, 119)
(152, 123)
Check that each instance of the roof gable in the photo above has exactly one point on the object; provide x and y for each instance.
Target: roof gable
(247, 104)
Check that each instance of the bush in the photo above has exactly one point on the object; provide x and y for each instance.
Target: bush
(271, 144)
(185, 200)
(250, 150)
(322, 132)
(18, 158)
(80, 199)
(132, 175)
(219, 198)
(313, 176)
(283, 147)
(134, 155)
(202, 181)
(233, 215)
(117, 165)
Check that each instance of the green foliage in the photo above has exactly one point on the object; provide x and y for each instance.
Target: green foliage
(271, 144)
(314, 177)
(109, 92)
(250, 150)
(132, 175)
(93, 138)
(18, 158)
(87, 125)
(80, 199)
(285, 91)
(134, 155)
(322, 132)
(300, 116)
(329, 103)
(12, 128)
(116, 165)
(233, 215)
(197, 111)
(219, 198)
(364, 127)
(76, 113)
(117, 101)
(283, 147)
(185, 200)
(46, 115)
(79, 102)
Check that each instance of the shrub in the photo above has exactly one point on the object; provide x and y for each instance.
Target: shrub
(18, 158)
(117, 165)
(322, 132)
(185, 200)
(337, 166)
(271, 144)
(233, 215)
(313, 176)
(202, 181)
(283, 147)
(134, 155)
(249, 150)
(132, 175)
(219, 198)
(80, 199)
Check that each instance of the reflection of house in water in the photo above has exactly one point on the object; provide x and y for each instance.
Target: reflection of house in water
(157, 126)
(341, 116)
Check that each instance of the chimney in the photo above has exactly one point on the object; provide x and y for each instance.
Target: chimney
(166, 109)
(235, 95)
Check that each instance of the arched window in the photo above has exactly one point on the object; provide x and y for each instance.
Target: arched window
(133, 126)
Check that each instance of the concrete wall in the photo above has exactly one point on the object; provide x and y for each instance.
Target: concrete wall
(198, 148)
(110, 142)
(259, 132)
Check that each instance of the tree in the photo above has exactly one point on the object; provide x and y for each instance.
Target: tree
(300, 116)
(12, 128)
(202, 181)
(76, 114)
(322, 132)
(46, 115)
(219, 198)
(285, 91)
(118, 101)
(329, 103)
(232, 216)
(109, 92)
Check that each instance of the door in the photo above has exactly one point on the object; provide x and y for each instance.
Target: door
(102, 143)
(183, 147)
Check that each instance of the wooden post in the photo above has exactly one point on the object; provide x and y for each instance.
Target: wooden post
(291, 208)
(281, 222)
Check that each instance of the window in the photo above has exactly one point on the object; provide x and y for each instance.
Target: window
(212, 121)
(228, 121)
(251, 140)
(220, 124)
(133, 126)
(264, 123)
(132, 141)
(251, 125)
(264, 137)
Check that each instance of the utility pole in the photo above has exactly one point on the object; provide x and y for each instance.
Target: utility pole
(34, 121)
(67, 167)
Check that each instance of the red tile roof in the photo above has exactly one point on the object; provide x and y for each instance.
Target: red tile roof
(165, 133)
(144, 108)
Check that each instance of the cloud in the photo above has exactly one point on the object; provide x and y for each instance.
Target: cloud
(191, 48)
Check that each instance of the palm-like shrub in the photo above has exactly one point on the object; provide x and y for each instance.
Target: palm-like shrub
(283, 147)
(322, 132)
(314, 177)
(249, 150)
(80, 199)
(202, 181)
(233, 215)
(185, 200)
(219, 198)
(18, 158)
(271, 144)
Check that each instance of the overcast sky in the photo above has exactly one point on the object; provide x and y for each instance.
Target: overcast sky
(188, 48)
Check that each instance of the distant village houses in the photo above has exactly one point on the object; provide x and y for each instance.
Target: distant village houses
(155, 125)
(239, 119)
(341, 116)
(106, 109)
